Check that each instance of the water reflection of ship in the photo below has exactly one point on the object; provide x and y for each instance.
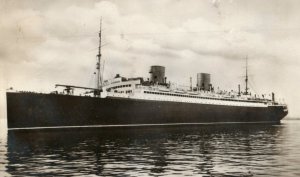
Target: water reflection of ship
(153, 150)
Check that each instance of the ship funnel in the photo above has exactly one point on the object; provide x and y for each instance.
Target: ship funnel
(157, 74)
(203, 81)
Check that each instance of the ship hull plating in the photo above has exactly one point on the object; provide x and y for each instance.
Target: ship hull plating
(28, 110)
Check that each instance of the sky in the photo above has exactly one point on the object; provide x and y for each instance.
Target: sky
(43, 43)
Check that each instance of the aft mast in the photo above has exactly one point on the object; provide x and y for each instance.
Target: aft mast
(246, 79)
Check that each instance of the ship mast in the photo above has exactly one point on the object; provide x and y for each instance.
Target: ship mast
(99, 75)
(246, 79)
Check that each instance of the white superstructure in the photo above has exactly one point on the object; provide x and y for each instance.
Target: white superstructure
(134, 89)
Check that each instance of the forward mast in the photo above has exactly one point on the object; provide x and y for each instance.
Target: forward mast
(98, 65)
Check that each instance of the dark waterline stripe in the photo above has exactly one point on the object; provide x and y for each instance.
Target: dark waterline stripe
(138, 125)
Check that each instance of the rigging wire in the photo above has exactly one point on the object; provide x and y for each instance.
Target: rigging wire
(92, 81)
(252, 85)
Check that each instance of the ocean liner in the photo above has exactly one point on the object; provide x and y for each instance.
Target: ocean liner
(137, 101)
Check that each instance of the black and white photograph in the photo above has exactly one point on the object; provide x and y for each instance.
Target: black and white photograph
(150, 88)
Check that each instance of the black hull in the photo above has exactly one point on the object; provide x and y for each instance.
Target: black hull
(29, 110)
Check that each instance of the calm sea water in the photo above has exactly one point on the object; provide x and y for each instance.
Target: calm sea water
(227, 150)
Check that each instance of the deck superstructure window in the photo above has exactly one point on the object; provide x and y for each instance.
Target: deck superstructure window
(199, 97)
(121, 86)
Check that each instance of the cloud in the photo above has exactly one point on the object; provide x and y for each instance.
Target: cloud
(21, 30)
(49, 42)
